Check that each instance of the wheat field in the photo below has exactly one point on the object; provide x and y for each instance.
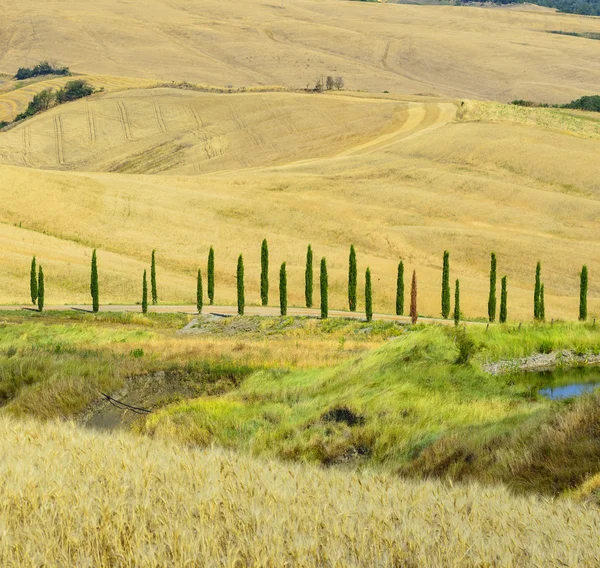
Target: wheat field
(77, 498)
(469, 52)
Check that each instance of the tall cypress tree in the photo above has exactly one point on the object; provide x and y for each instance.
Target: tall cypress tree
(283, 289)
(542, 304)
(33, 285)
(492, 298)
(352, 279)
(400, 290)
(41, 290)
(324, 290)
(413, 299)
(199, 298)
(211, 276)
(503, 301)
(583, 292)
(264, 273)
(144, 294)
(446, 285)
(457, 302)
(308, 278)
(368, 296)
(537, 291)
(94, 290)
(241, 297)
(153, 279)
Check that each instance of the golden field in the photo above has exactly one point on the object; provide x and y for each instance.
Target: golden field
(471, 52)
(402, 175)
(98, 500)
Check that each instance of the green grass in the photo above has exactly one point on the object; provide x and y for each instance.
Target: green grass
(406, 406)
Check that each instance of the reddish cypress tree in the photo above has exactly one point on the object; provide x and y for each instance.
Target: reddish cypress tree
(413, 299)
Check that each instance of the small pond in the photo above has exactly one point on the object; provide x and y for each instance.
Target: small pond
(567, 383)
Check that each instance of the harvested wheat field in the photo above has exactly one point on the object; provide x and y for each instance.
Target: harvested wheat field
(471, 52)
(94, 500)
(400, 177)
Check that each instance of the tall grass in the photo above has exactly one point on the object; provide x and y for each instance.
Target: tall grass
(73, 498)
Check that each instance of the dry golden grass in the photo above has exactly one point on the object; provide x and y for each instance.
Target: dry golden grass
(15, 100)
(526, 188)
(453, 51)
(75, 498)
(186, 132)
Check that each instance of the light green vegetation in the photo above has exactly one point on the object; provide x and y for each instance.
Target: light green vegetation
(413, 400)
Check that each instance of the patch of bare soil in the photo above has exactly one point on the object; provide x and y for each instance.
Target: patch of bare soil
(151, 392)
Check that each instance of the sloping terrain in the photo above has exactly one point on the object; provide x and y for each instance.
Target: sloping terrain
(416, 180)
(75, 498)
(472, 52)
(14, 98)
(178, 131)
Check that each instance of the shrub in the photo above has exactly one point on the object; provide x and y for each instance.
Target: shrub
(446, 285)
(41, 101)
(400, 290)
(583, 291)
(153, 279)
(144, 294)
(241, 299)
(283, 290)
(264, 273)
(368, 296)
(41, 290)
(466, 346)
(199, 299)
(211, 276)
(74, 90)
(324, 290)
(94, 290)
(308, 278)
(492, 296)
(352, 279)
(43, 68)
(33, 286)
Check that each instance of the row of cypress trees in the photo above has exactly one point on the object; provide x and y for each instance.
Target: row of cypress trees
(37, 287)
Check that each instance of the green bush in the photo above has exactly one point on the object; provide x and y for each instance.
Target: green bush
(43, 68)
(74, 90)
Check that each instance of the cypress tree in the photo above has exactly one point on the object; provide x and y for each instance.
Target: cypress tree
(368, 296)
(413, 298)
(503, 301)
(264, 273)
(324, 290)
(144, 294)
(33, 285)
(492, 298)
(352, 279)
(41, 291)
(199, 299)
(446, 285)
(283, 290)
(583, 291)
(542, 304)
(241, 299)
(211, 276)
(153, 279)
(537, 290)
(457, 302)
(308, 278)
(400, 290)
(94, 284)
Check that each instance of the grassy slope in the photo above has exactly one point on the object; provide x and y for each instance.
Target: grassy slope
(447, 50)
(420, 412)
(101, 500)
(267, 386)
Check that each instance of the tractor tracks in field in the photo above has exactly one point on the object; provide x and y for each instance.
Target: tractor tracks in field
(58, 135)
(160, 119)
(27, 147)
(91, 120)
(124, 120)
